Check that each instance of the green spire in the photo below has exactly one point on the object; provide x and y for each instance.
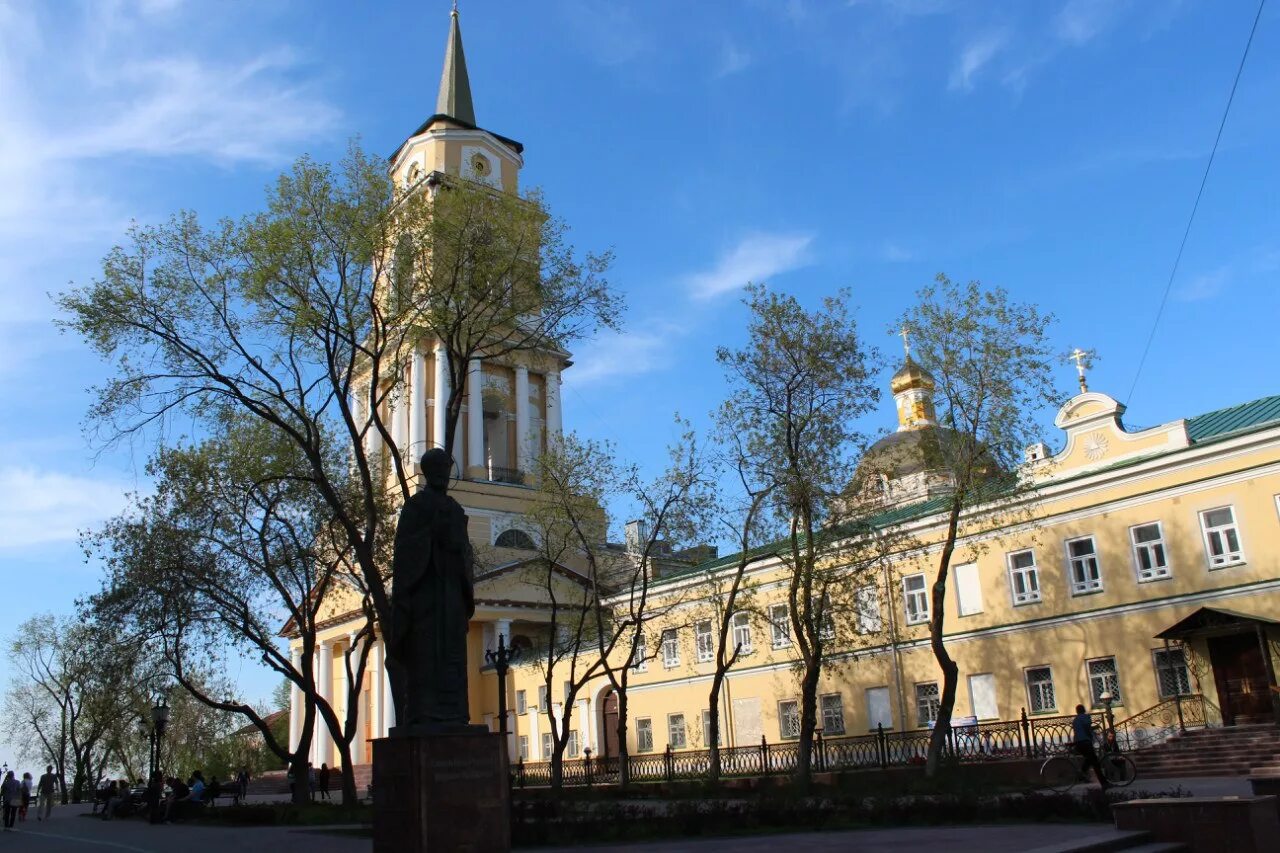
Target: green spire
(455, 89)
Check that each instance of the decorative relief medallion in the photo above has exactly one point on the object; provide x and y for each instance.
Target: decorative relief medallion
(1095, 446)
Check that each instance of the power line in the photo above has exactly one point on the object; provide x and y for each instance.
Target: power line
(1196, 206)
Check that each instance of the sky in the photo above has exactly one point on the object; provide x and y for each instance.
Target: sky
(1053, 148)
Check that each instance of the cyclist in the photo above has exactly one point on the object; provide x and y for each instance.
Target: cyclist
(1082, 743)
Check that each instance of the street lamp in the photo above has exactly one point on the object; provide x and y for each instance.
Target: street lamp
(159, 720)
(1109, 727)
(501, 661)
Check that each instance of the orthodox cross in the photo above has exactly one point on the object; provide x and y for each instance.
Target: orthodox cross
(1080, 357)
(905, 334)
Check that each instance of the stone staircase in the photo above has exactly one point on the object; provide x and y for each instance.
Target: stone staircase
(1230, 751)
(1114, 841)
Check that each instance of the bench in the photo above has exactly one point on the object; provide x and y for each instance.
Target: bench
(230, 792)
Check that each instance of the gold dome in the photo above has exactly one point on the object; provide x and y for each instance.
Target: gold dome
(909, 376)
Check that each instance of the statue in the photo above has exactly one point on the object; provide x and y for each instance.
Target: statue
(431, 605)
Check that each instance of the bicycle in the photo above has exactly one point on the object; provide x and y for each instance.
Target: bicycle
(1061, 772)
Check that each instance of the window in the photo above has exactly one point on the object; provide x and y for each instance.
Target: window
(568, 691)
(548, 745)
(927, 701)
(1172, 678)
(1149, 554)
(706, 729)
(644, 735)
(827, 625)
(670, 648)
(571, 748)
(789, 719)
(1221, 537)
(705, 642)
(867, 602)
(968, 589)
(916, 599)
(1040, 690)
(1024, 577)
(879, 709)
(780, 626)
(832, 708)
(640, 656)
(676, 735)
(742, 632)
(522, 744)
(1103, 678)
(522, 702)
(544, 700)
(1082, 558)
(515, 539)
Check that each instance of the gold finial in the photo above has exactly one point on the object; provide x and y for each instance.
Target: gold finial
(905, 334)
(1080, 357)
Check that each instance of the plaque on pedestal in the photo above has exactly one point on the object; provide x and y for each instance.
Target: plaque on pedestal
(434, 793)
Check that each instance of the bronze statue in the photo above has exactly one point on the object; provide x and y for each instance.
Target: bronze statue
(431, 602)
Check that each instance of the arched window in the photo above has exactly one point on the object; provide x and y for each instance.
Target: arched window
(515, 539)
(412, 177)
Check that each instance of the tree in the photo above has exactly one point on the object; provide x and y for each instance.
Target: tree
(797, 387)
(295, 318)
(991, 363)
(231, 539)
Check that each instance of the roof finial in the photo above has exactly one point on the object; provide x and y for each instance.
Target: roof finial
(455, 7)
(1081, 358)
(905, 334)
(454, 99)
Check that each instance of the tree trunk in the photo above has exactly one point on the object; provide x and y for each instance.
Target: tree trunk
(350, 796)
(713, 726)
(624, 753)
(950, 671)
(808, 721)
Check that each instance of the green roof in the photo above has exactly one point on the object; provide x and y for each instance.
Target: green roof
(1235, 419)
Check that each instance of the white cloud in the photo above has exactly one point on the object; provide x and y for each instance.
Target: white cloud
(895, 253)
(38, 507)
(974, 56)
(1079, 21)
(732, 59)
(1204, 286)
(619, 355)
(606, 30)
(756, 258)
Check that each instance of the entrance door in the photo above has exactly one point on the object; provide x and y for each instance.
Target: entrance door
(1241, 677)
(610, 725)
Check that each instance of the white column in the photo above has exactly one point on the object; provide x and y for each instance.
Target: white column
(375, 689)
(388, 700)
(523, 456)
(441, 395)
(584, 728)
(555, 422)
(475, 415)
(398, 419)
(324, 675)
(342, 693)
(418, 401)
(503, 627)
(373, 436)
(535, 739)
(295, 704)
(592, 713)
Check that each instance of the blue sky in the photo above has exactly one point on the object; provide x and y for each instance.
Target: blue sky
(1051, 147)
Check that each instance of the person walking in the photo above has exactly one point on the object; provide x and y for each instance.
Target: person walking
(323, 779)
(311, 781)
(242, 784)
(1082, 743)
(27, 785)
(45, 790)
(10, 799)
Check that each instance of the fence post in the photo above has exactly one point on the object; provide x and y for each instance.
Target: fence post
(1024, 734)
(882, 748)
(520, 771)
(587, 761)
(670, 763)
(764, 756)
(820, 752)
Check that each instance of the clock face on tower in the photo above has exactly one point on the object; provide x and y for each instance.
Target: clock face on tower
(480, 165)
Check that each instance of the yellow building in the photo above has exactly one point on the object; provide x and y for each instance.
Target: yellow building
(1143, 563)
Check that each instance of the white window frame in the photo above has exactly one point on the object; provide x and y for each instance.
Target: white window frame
(917, 616)
(1089, 585)
(740, 627)
(704, 641)
(548, 745)
(670, 648)
(522, 701)
(1227, 558)
(571, 747)
(544, 697)
(1053, 687)
(780, 625)
(789, 719)
(1030, 575)
(1186, 670)
(677, 730)
(522, 747)
(644, 731)
(867, 600)
(1117, 696)
(1152, 548)
(706, 728)
(831, 713)
(931, 702)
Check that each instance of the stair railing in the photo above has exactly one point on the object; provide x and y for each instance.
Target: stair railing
(1164, 720)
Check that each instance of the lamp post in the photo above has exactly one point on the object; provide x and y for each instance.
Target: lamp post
(159, 720)
(501, 661)
(1109, 722)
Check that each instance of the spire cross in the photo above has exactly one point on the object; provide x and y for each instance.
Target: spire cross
(1079, 356)
(905, 334)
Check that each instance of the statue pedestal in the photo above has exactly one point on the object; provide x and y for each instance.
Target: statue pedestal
(441, 792)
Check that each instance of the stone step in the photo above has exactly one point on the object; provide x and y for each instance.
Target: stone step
(1112, 841)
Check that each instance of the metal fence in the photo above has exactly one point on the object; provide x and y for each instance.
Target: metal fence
(1026, 737)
